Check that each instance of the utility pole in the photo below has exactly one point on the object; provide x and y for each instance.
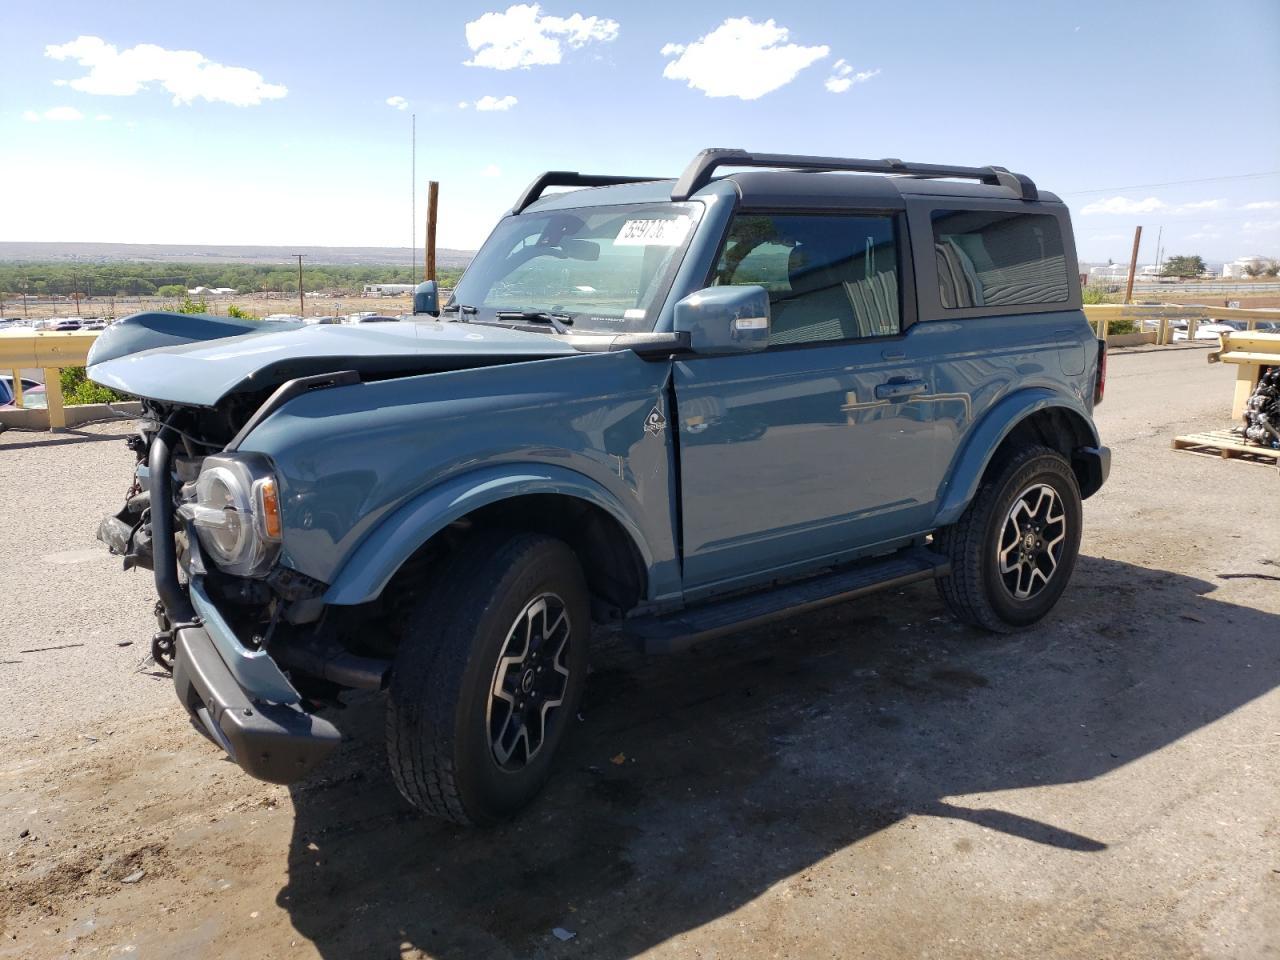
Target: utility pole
(413, 198)
(25, 285)
(302, 307)
(1133, 265)
(1159, 249)
(433, 198)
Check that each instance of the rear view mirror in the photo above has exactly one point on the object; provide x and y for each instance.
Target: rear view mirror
(426, 299)
(576, 249)
(725, 319)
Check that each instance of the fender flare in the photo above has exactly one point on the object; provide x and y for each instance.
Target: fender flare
(368, 568)
(968, 468)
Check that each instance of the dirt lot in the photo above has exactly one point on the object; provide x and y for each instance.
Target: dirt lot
(872, 781)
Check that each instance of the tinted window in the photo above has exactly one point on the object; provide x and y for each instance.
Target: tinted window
(988, 258)
(828, 277)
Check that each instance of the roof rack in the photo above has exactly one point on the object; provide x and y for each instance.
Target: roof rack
(699, 173)
(567, 178)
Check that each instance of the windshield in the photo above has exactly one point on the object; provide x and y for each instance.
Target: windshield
(601, 269)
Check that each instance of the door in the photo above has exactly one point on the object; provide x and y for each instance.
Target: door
(824, 443)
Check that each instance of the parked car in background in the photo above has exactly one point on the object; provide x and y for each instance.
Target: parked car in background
(33, 395)
(94, 324)
(65, 325)
(1210, 330)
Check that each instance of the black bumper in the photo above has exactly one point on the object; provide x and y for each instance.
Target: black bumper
(273, 742)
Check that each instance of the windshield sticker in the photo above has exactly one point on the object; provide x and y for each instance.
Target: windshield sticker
(669, 232)
(633, 313)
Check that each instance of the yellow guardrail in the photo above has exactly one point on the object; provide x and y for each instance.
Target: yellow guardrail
(1102, 315)
(49, 351)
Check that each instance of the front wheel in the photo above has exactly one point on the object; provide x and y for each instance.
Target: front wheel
(1013, 549)
(488, 678)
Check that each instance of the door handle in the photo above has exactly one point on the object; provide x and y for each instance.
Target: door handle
(899, 389)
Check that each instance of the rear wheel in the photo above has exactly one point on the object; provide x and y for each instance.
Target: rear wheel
(1013, 549)
(488, 678)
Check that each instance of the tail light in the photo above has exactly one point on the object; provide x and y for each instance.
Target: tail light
(1100, 384)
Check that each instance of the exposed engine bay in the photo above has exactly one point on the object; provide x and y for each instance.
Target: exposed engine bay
(272, 607)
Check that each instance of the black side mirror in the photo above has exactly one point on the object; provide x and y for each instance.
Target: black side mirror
(426, 299)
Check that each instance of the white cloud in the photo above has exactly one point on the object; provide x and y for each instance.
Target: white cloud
(522, 37)
(400, 103)
(740, 58)
(53, 113)
(1199, 205)
(1260, 226)
(1116, 205)
(492, 170)
(463, 104)
(186, 74)
(1263, 205)
(842, 76)
(493, 103)
(103, 116)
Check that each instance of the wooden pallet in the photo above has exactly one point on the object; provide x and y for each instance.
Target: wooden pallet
(1227, 445)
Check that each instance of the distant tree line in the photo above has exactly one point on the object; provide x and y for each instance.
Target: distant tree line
(172, 279)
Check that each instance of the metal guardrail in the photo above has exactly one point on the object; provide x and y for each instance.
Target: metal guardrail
(52, 351)
(1102, 315)
(49, 351)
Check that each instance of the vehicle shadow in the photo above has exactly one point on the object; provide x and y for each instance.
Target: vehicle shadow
(696, 782)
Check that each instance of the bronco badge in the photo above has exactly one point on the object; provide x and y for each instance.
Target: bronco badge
(654, 422)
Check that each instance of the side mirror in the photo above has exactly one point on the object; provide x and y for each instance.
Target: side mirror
(426, 298)
(725, 319)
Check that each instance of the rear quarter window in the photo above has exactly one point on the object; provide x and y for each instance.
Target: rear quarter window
(990, 258)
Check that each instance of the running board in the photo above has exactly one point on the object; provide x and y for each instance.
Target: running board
(677, 631)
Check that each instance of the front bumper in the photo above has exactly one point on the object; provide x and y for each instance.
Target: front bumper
(276, 742)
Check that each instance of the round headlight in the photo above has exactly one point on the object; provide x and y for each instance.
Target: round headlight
(223, 518)
(237, 515)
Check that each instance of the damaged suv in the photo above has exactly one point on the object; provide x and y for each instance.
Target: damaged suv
(678, 407)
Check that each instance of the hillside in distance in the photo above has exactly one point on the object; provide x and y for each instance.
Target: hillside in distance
(19, 251)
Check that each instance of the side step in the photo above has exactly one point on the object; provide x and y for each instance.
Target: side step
(677, 631)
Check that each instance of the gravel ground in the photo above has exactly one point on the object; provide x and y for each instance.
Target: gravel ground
(869, 781)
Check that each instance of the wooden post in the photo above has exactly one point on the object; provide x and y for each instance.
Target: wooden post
(1133, 265)
(302, 307)
(53, 393)
(433, 196)
(17, 388)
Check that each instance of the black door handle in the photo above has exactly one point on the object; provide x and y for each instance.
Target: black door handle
(900, 389)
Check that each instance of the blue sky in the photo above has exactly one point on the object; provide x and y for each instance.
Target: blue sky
(277, 128)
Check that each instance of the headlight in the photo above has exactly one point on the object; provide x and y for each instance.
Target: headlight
(237, 514)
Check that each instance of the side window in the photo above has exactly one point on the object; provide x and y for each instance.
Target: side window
(828, 277)
(994, 258)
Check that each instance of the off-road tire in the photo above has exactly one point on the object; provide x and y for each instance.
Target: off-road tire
(974, 591)
(439, 746)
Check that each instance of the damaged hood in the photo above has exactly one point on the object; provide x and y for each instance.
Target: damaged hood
(198, 359)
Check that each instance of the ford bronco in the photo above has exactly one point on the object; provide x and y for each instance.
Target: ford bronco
(680, 407)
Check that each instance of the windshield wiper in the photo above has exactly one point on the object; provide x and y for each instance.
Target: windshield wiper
(559, 321)
(461, 309)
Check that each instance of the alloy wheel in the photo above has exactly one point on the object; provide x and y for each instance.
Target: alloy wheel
(529, 681)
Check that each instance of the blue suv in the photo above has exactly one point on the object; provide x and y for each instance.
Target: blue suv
(680, 407)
